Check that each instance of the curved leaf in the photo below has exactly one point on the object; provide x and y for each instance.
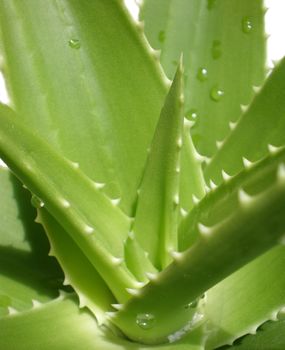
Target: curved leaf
(26, 272)
(224, 240)
(258, 132)
(242, 302)
(69, 86)
(96, 225)
(79, 272)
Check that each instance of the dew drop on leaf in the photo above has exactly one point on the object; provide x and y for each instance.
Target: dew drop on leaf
(161, 36)
(37, 202)
(216, 94)
(192, 114)
(202, 74)
(74, 43)
(246, 25)
(216, 49)
(145, 321)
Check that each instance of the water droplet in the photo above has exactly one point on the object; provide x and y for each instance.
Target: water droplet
(161, 36)
(74, 43)
(202, 74)
(192, 114)
(211, 4)
(216, 94)
(246, 25)
(5, 301)
(37, 202)
(216, 49)
(145, 321)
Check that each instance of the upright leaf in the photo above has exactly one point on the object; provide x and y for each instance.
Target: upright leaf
(223, 241)
(156, 218)
(71, 69)
(224, 49)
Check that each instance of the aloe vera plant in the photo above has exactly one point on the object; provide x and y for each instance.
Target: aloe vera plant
(143, 203)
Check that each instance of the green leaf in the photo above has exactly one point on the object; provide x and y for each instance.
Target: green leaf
(269, 336)
(242, 302)
(230, 227)
(156, 218)
(260, 129)
(79, 272)
(192, 183)
(60, 325)
(94, 222)
(71, 69)
(26, 272)
(224, 51)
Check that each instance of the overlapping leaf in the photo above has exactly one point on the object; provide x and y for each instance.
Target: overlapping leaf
(26, 272)
(224, 50)
(71, 69)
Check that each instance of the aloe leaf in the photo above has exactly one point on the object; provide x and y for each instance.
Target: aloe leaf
(68, 85)
(224, 49)
(222, 244)
(269, 336)
(79, 272)
(60, 325)
(259, 131)
(156, 217)
(192, 183)
(137, 259)
(258, 296)
(57, 325)
(95, 223)
(29, 317)
(26, 272)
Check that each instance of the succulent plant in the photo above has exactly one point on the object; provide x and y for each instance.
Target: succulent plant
(156, 179)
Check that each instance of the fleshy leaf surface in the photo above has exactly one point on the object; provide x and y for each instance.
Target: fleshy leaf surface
(156, 218)
(242, 302)
(96, 225)
(225, 237)
(223, 43)
(71, 69)
(259, 131)
(269, 336)
(26, 272)
(79, 272)
(60, 325)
